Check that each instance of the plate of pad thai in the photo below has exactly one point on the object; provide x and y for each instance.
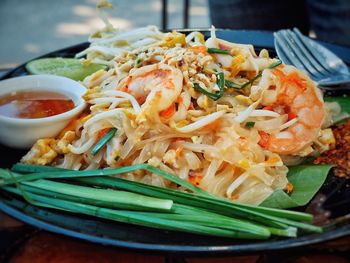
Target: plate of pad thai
(189, 142)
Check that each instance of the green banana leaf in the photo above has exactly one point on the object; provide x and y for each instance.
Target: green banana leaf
(306, 180)
(344, 102)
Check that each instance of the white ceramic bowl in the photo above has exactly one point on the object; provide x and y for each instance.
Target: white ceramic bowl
(22, 133)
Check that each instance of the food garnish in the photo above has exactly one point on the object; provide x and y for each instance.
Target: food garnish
(340, 154)
(218, 51)
(276, 64)
(218, 94)
(66, 67)
(108, 135)
(141, 204)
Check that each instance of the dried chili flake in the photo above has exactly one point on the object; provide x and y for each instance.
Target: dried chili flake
(340, 155)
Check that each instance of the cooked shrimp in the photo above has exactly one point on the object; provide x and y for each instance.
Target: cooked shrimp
(293, 93)
(156, 87)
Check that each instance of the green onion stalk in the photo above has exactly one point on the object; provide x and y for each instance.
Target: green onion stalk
(100, 193)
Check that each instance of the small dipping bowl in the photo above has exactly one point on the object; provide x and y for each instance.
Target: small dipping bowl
(22, 133)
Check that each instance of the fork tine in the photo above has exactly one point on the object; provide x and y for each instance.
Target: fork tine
(316, 56)
(284, 46)
(308, 57)
(281, 52)
(301, 54)
(291, 53)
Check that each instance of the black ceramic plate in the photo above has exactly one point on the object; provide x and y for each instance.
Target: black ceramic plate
(333, 198)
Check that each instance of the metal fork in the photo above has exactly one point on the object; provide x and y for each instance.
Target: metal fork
(323, 66)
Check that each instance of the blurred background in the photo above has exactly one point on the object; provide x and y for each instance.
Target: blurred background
(29, 28)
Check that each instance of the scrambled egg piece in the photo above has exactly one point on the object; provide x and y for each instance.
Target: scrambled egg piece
(326, 136)
(44, 151)
(61, 146)
(244, 164)
(203, 102)
(244, 100)
(41, 153)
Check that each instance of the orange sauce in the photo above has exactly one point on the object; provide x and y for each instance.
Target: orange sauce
(34, 104)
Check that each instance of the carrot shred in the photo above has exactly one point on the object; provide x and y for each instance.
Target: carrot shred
(125, 88)
(235, 197)
(195, 178)
(289, 188)
(101, 133)
(140, 100)
(268, 108)
(264, 139)
(198, 49)
(178, 151)
(211, 126)
(223, 166)
(167, 113)
(291, 116)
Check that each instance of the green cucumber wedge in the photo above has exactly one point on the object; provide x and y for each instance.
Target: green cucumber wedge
(66, 67)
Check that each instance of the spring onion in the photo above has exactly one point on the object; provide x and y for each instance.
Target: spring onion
(200, 210)
(268, 216)
(187, 212)
(106, 138)
(141, 188)
(184, 197)
(110, 198)
(6, 179)
(219, 51)
(136, 218)
(231, 84)
(249, 124)
(279, 62)
(138, 63)
(220, 81)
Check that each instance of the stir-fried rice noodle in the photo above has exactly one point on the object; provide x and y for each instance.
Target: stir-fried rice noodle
(231, 146)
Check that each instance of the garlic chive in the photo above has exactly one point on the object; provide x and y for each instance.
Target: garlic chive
(106, 138)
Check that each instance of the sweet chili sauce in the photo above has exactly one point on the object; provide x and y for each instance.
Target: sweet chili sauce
(34, 104)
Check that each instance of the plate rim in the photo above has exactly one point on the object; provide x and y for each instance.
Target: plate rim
(180, 249)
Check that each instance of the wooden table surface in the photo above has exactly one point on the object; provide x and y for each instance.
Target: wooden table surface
(44, 247)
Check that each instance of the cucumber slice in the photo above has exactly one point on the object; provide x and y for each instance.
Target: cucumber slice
(66, 67)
